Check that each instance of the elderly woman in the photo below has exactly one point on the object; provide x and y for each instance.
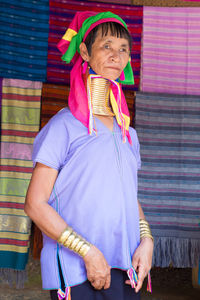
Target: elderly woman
(83, 191)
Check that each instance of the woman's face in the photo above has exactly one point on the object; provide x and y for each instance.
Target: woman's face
(109, 55)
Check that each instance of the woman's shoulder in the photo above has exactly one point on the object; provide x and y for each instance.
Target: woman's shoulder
(62, 115)
(132, 131)
(63, 118)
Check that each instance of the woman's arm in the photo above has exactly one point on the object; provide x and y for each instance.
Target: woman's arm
(142, 258)
(51, 223)
(36, 203)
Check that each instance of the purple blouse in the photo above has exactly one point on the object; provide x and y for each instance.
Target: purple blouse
(95, 193)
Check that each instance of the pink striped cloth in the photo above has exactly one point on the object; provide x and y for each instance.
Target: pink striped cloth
(171, 50)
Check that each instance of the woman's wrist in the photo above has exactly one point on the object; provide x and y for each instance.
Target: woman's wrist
(73, 241)
(145, 231)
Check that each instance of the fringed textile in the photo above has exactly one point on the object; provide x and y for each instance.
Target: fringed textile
(20, 123)
(168, 184)
(171, 61)
(61, 15)
(24, 27)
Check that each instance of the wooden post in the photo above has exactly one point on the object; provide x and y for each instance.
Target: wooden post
(195, 275)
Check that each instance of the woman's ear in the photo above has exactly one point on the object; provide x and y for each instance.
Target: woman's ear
(84, 52)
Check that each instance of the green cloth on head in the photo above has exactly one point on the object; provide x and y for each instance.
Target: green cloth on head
(78, 39)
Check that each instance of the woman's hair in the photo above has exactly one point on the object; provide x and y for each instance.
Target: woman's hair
(114, 28)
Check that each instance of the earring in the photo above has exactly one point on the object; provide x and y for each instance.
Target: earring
(122, 76)
(85, 66)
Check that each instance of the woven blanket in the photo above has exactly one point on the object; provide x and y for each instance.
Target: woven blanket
(168, 128)
(20, 123)
(61, 14)
(54, 98)
(0, 104)
(112, 1)
(171, 47)
(169, 3)
(24, 27)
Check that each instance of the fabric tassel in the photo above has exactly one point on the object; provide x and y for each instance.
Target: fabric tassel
(13, 277)
(123, 124)
(89, 94)
(68, 293)
(61, 294)
(149, 287)
(181, 252)
(132, 275)
(64, 295)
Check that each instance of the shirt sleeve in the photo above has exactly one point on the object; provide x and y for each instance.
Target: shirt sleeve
(136, 146)
(51, 144)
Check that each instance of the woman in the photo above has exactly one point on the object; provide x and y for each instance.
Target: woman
(83, 191)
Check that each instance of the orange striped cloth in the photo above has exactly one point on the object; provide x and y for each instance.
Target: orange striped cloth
(20, 123)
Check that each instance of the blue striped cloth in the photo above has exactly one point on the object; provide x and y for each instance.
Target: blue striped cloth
(168, 128)
(24, 27)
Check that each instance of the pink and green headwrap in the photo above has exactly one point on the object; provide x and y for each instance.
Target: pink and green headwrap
(78, 30)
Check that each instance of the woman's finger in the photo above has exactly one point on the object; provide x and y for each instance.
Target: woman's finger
(107, 282)
(98, 284)
(141, 276)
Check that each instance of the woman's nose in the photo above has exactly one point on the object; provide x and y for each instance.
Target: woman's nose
(115, 56)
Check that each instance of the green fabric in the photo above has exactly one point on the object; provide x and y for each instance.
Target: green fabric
(78, 38)
(13, 260)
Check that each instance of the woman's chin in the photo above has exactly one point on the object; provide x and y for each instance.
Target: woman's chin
(110, 76)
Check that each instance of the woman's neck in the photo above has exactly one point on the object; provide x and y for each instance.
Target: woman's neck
(100, 88)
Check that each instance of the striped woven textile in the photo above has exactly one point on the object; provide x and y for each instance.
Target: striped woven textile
(171, 47)
(24, 27)
(61, 14)
(168, 128)
(113, 1)
(167, 3)
(54, 98)
(20, 123)
(0, 104)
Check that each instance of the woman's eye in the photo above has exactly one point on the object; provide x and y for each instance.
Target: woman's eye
(106, 46)
(123, 50)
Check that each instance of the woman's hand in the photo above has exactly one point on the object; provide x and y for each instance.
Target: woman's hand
(142, 260)
(98, 270)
